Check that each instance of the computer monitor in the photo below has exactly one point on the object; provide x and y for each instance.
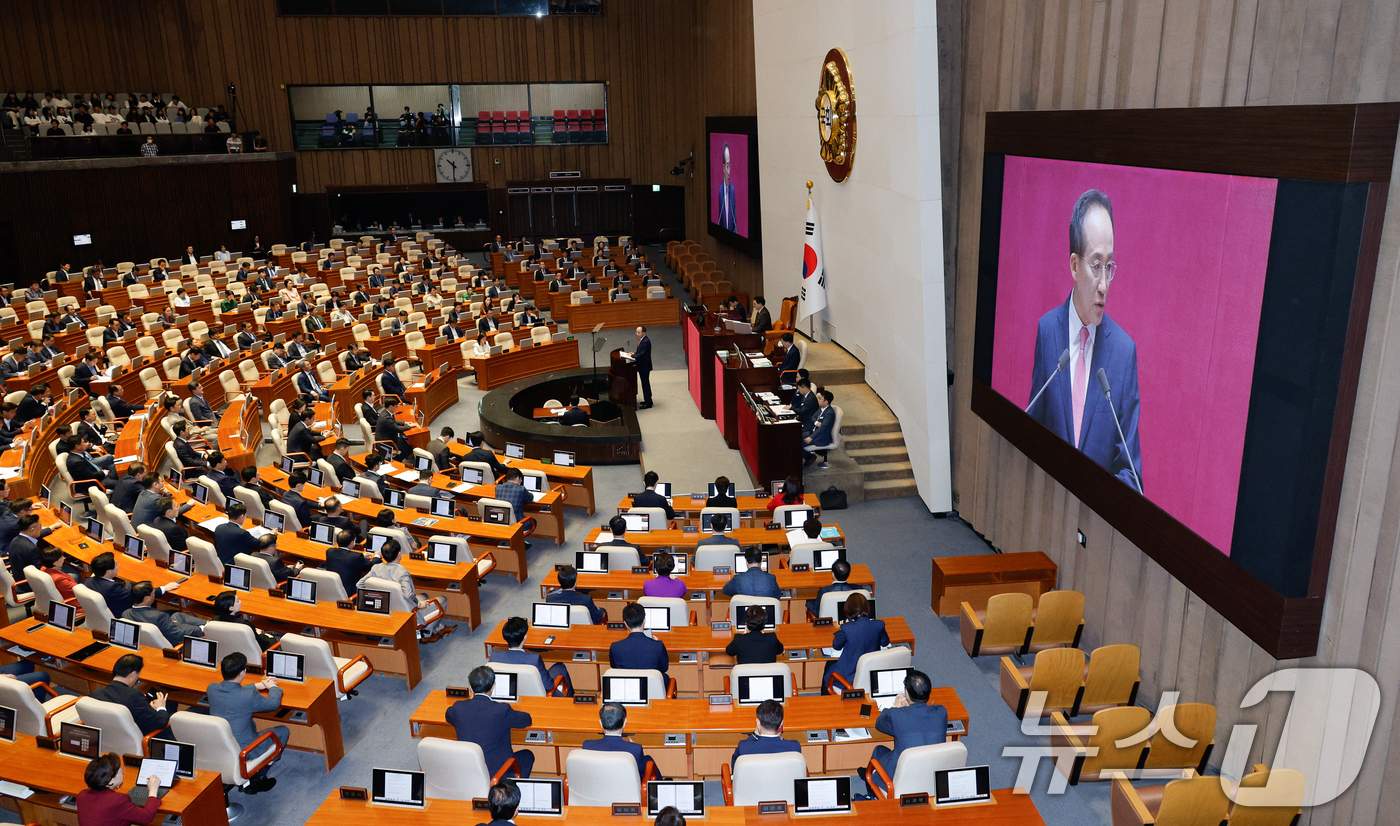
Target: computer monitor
(550, 615)
(532, 483)
(681, 562)
(44, 494)
(376, 542)
(94, 528)
(713, 491)
(422, 463)
(62, 615)
(472, 475)
(971, 784)
(315, 476)
(238, 577)
(515, 451)
(395, 499)
(82, 742)
(629, 691)
(287, 464)
(65, 512)
(771, 619)
(741, 564)
(495, 515)
(506, 687)
(301, 590)
(444, 507)
(272, 520)
(754, 690)
(135, 548)
(564, 458)
(181, 563)
(200, 651)
(726, 522)
(797, 518)
(125, 634)
(392, 787)
(887, 682)
(351, 489)
(176, 478)
(664, 489)
(285, 665)
(637, 522)
(7, 724)
(591, 562)
(200, 493)
(373, 602)
(323, 533)
(687, 796)
(443, 552)
(658, 618)
(181, 753)
(841, 609)
(541, 796)
(824, 558)
(779, 485)
(822, 795)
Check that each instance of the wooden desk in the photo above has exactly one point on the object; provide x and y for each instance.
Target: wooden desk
(38, 465)
(319, 732)
(708, 734)
(974, 579)
(576, 483)
(658, 540)
(622, 379)
(504, 368)
(1012, 807)
(433, 393)
(623, 315)
(346, 392)
(240, 433)
(700, 340)
(198, 800)
(731, 371)
(771, 448)
(688, 508)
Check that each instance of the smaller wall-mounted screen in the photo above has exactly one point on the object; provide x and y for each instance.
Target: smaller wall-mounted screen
(731, 170)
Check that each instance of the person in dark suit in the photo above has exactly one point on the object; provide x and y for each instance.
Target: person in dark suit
(173, 625)
(757, 646)
(637, 650)
(1073, 405)
(93, 283)
(393, 385)
(483, 454)
(34, 404)
(247, 337)
(121, 408)
(912, 721)
(642, 356)
(230, 539)
(574, 415)
(104, 581)
(87, 370)
(753, 582)
(649, 498)
(24, 548)
(568, 578)
(502, 799)
(839, 572)
(722, 498)
(294, 500)
(762, 320)
(189, 257)
(335, 516)
(125, 490)
(82, 468)
(612, 717)
(90, 428)
(301, 438)
(222, 476)
(366, 408)
(823, 427)
(488, 323)
(488, 723)
(767, 736)
(189, 457)
(200, 411)
(340, 460)
(791, 357)
(857, 636)
(167, 512)
(151, 716)
(804, 404)
(267, 552)
(347, 563)
(390, 429)
(514, 632)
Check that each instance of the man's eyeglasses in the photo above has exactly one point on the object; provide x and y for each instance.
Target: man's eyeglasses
(1103, 269)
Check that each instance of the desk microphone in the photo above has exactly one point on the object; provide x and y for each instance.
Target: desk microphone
(1103, 385)
(1064, 360)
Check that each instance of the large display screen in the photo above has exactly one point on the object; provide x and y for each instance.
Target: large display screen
(731, 171)
(1151, 281)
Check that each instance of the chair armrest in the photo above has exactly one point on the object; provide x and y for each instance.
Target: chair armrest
(561, 686)
(46, 687)
(1127, 806)
(49, 715)
(1064, 736)
(810, 616)
(529, 524)
(876, 769)
(693, 617)
(786, 617)
(726, 783)
(971, 630)
(671, 689)
(1014, 690)
(481, 561)
(837, 678)
(650, 774)
(146, 742)
(340, 672)
(505, 767)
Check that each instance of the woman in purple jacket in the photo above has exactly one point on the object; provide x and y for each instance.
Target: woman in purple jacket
(664, 585)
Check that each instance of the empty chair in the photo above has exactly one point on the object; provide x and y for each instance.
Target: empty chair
(204, 557)
(322, 664)
(915, 771)
(759, 778)
(329, 586)
(455, 770)
(38, 719)
(156, 545)
(426, 613)
(1058, 673)
(1058, 620)
(1193, 801)
(1003, 628)
(602, 778)
(1268, 797)
(261, 572)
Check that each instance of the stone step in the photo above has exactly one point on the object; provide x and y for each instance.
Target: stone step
(850, 428)
(868, 440)
(877, 455)
(887, 470)
(834, 377)
(891, 489)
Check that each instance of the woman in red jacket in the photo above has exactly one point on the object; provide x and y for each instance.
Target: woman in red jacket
(791, 495)
(100, 804)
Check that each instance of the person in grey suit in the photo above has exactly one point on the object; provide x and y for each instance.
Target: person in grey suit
(144, 512)
(173, 625)
(911, 721)
(754, 582)
(237, 703)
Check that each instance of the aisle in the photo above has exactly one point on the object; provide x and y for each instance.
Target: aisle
(683, 447)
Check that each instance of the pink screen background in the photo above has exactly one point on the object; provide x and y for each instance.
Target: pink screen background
(738, 176)
(1191, 249)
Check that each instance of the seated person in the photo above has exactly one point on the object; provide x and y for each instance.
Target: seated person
(718, 521)
(664, 585)
(767, 737)
(757, 646)
(267, 552)
(721, 499)
(753, 582)
(574, 415)
(487, 723)
(173, 625)
(568, 578)
(613, 716)
(637, 650)
(228, 608)
(649, 498)
(858, 635)
(103, 802)
(811, 531)
(911, 721)
(791, 495)
(237, 703)
(151, 715)
(839, 572)
(514, 632)
(53, 558)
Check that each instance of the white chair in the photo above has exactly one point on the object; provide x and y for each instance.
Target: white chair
(822, 450)
(762, 777)
(914, 772)
(761, 670)
(679, 609)
(740, 604)
(234, 636)
(45, 592)
(156, 546)
(396, 533)
(252, 501)
(119, 731)
(204, 557)
(485, 564)
(216, 750)
(290, 522)
(151, 637)
(261, 572)
(621, 557)
(780, 513)
(527, 678)
(216, 494)
(709, 557)
(658, 684)
(706, 513)
(13, 599)
(656, 517)
(323, 664)
(455, 770)
(426, 614)
(98, 616)
(602, 778)
(329, 586)
(803, 553)
(893, 657)
(831, 599)
(42, 719)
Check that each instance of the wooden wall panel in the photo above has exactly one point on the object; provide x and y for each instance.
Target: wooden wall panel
(1145, 53)
(668, 66)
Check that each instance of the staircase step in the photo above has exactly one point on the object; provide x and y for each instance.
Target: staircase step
(887, 470)
(891, 489)
(877, 455)
(849, 428)
(863, 441)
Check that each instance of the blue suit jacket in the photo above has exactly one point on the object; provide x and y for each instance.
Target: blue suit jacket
(230, 539)
(509, 657)
(575, 598)
(642, 355)
(792, 357)
(859, 636)
(753, 744)
(114, 591)
(637, 650)
(616, 743)
(487, 723)
(301, 505)
(1116, 353)
(911, 726)
(755, 582)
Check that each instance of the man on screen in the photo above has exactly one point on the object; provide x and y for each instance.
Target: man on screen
(727, 215)
(1073, 405)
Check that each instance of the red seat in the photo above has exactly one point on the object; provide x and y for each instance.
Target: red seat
(559, 125)
(571, 117)
(483, 127)
(525, 130)
(498, 125)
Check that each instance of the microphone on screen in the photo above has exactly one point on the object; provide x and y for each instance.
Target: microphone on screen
(1064, 360)
(1108, 396)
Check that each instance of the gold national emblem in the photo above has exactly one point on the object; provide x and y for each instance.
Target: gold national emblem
(836, 115)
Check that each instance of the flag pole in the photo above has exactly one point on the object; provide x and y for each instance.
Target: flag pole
(811, 319)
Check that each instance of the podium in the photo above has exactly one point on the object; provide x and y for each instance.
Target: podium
(622, 379)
